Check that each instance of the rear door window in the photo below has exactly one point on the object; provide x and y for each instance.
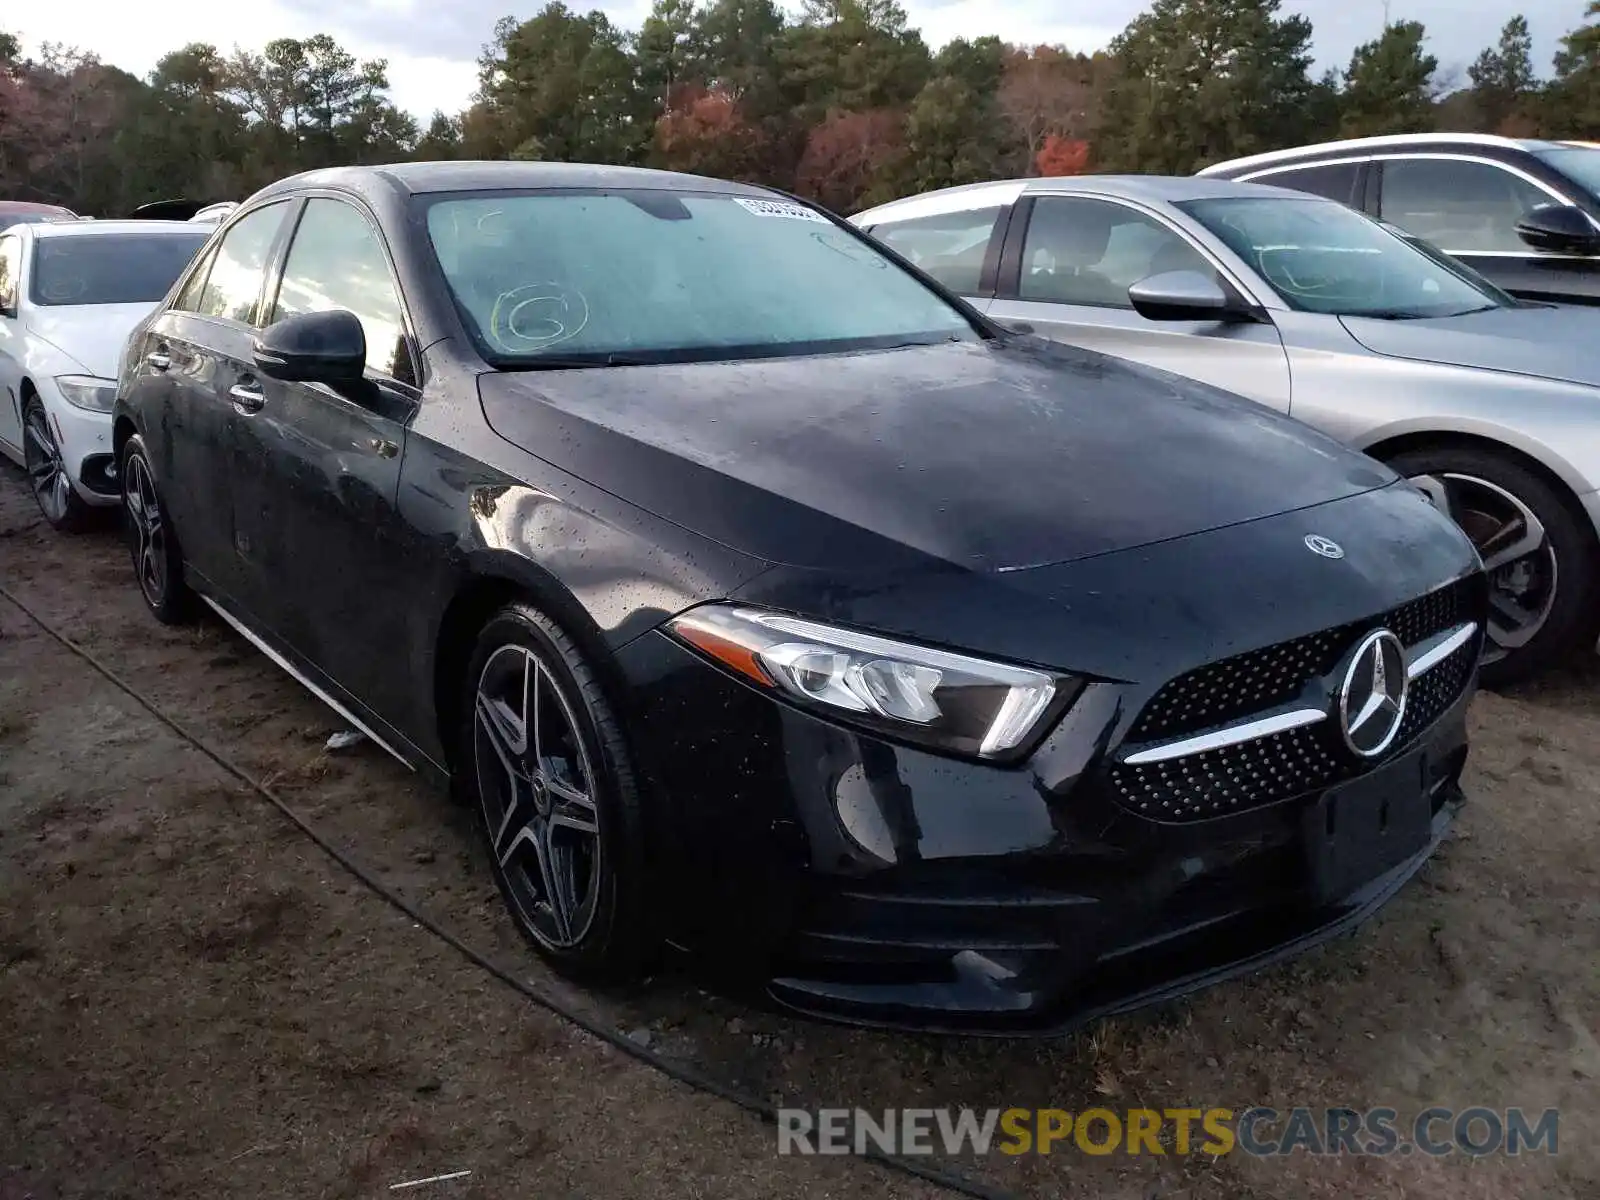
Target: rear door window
(233, 287)
(951, 247)
(194, 287)
(1332, 181)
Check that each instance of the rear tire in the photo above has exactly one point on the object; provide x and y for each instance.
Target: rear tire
(152, 541)
(52, 487)
(542, 754)
(1542, 556)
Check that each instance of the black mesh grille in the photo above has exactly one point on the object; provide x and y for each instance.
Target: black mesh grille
(1431, 614)
(1238, 687)
(1284, 765)
(1249, 775)
(1437, 690)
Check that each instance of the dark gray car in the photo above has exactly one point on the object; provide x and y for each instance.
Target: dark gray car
(1524, 213)
(1489, 404)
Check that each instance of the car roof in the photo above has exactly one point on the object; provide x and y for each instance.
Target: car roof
(1167, 189)
(466, 176)
(9, 208)
(1385, 142)
(86, 228)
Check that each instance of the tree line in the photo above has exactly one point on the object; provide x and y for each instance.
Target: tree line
(844, 103)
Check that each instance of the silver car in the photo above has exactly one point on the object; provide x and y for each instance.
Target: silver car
(1490, 405)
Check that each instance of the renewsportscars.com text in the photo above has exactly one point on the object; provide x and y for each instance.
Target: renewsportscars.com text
(1260, 1132)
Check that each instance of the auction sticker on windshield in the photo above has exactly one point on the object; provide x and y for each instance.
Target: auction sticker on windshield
(775, 208)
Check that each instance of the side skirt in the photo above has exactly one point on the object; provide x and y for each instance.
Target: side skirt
(261, 645)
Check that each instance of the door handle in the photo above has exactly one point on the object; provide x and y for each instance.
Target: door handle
(246, 397)
(159, 360)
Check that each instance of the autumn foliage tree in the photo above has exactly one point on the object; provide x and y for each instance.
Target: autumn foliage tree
(840, 100)
(849, 159)
(703, 132)
(1045, 92)
(1062, 156)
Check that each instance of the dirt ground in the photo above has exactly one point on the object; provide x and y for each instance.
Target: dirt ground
(195, 1000)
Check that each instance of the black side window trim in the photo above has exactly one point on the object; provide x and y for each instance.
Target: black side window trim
(1008, 272)
(1371, 186)
(280, 261)
(989, 274)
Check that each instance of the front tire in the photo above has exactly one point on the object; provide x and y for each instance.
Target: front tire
(152, 542)
(52, 487)
(1544, 581)
(543, 755)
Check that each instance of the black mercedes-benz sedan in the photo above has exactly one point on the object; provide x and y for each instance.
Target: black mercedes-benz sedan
(774, 605)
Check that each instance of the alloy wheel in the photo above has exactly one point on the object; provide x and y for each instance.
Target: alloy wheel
(47, 473)
(537, 789)
(144, 515)
(1517, 555)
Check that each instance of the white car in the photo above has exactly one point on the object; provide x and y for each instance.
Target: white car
(215, 214)
(70, 293)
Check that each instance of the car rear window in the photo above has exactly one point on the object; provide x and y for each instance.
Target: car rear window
(121, 268)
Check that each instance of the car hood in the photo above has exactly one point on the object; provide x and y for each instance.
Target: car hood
(1554, 342)
(989, 456)
(90, 334)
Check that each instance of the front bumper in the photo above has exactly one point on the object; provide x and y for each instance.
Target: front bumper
(872, 883)
(84, 438)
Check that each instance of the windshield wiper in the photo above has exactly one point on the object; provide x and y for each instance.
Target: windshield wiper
(575, 362)
(1393, 314)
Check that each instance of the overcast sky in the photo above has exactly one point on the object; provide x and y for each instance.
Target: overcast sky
(432, 45)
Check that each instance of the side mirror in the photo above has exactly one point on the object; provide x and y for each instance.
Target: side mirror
(1560, 228)
(1183, 296)
(322, 347)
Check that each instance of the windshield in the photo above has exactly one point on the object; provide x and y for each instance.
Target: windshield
(1579, 164)
(120, 268)
(1323, 257)
(659, 276)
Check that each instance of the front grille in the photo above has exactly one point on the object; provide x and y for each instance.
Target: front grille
(1285, 765)
(1237, 687)
(1234, 778)
(1437, 690)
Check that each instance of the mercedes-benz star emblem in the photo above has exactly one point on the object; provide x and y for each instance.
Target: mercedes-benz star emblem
(1372, 699)
(1326, 547)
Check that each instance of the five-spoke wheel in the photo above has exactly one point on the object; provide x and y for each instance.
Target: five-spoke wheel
(152, 542)
(1538, 554)
(144, 520)
(546, 760)
(537, 790)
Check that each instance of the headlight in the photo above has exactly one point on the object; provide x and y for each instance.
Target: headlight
(85, 391)
(957, 703)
